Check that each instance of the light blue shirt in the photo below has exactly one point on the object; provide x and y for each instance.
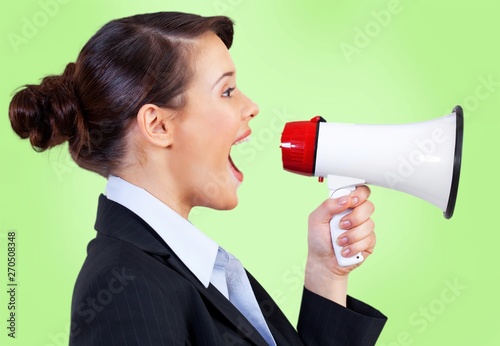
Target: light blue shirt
(203, 256)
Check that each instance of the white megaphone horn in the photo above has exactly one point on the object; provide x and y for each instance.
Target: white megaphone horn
(422, 159)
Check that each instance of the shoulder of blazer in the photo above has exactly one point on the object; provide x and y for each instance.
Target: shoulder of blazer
(115, 222)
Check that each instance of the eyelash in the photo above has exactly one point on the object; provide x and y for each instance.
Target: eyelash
(228, 92)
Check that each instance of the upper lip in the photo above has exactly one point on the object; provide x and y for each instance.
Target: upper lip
(243, 136)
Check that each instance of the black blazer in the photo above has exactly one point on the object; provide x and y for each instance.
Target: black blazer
(133, 290)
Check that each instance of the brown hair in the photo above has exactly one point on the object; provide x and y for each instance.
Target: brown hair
(128, 63)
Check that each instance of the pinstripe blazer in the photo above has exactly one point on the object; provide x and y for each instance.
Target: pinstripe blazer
(133, 290)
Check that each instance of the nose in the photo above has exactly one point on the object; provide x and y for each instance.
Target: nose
(250, 109)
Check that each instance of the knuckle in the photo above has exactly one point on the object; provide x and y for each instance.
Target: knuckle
(368, 191)
(330, 203)
(373, 243)
(370, 206)
(364, 191)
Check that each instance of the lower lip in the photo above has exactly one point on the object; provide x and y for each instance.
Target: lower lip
(235, 171)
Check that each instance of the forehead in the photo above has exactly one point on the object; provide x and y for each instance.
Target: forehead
(211, 59)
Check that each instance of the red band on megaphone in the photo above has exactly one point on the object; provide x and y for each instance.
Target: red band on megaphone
(298, 146)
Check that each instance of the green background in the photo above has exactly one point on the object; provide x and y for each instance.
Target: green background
(409, 61)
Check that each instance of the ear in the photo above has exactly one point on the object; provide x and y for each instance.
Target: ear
(155, 124)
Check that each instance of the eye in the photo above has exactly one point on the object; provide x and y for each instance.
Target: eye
(228, 92)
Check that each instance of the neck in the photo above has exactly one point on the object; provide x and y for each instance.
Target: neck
(159, 187)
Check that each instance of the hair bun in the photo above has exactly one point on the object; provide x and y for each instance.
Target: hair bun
(48, 113)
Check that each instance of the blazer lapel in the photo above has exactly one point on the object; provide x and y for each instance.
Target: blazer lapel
(114, 220)
(218, 301)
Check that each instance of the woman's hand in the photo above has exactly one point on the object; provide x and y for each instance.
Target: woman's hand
(324, 276)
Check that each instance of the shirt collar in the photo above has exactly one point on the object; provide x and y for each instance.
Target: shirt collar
(196, 250)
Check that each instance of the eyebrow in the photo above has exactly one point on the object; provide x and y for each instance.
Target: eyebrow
(226, 74)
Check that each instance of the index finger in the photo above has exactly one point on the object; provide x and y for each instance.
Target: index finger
(359, 196)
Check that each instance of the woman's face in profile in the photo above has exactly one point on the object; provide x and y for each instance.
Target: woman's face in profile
(215, 118)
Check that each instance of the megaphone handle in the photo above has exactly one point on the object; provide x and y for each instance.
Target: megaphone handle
(336, 231)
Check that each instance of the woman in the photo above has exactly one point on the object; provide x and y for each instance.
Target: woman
(152, 105)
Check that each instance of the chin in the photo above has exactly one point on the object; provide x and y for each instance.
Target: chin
(220, 193)
(218, 202)
(229, 200)
(229, 204)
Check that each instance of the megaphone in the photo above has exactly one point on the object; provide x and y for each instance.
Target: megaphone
(422, 159)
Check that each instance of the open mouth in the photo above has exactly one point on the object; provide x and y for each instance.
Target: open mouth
(236, 172)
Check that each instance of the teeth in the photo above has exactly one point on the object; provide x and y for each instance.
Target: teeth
(246, 139)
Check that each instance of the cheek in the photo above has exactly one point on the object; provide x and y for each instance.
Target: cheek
(218, 137)
(209, 134)
(210, 148)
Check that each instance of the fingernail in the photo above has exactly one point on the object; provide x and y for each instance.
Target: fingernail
(355, 200)
(345, 224)
(343, 200)
(342, 241)
(346, 252)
